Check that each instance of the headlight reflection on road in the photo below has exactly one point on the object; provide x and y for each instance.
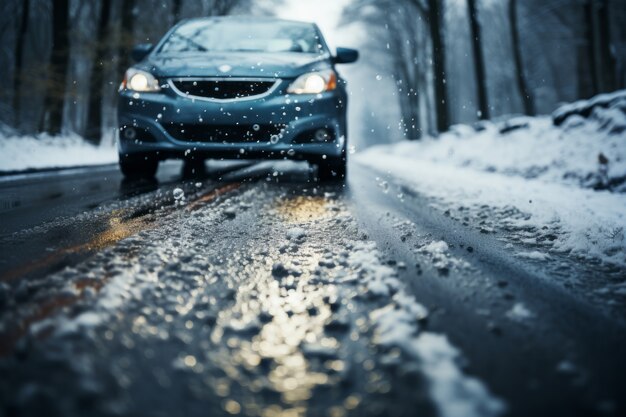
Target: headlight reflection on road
(303, 208)
(265, 337)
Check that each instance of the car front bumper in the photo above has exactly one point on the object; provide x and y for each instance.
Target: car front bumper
(153, 116)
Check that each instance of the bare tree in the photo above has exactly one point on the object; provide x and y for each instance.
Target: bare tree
(176, 9)
(19, 60)
(599, 42)
(520, 76)
(52, 117)
(479, 60)
(127, 38)
(94, 108)
(435, 13)
(223, 7)
(399, 35)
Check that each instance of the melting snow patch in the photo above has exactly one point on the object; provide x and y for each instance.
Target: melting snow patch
(536, 255)
(397, 325)
(296, 233)
(519, 312)
(435, 248)
(455, 394)
(442, 260)
(125, 286)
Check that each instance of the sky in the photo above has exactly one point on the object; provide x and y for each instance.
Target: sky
(326, 13)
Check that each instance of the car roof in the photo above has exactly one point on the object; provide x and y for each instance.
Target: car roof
(246, 18)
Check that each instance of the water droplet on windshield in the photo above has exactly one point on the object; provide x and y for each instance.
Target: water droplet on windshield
(385, 186)
(274, 139)
(379, 77)
(351, 149)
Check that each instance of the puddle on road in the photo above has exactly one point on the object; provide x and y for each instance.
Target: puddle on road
(300, 208)
(285, 314)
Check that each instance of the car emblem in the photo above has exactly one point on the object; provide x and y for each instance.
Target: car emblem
(224, 68)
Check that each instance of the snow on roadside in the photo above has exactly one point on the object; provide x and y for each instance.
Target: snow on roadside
(557, 187)
(586, 223)
(397, 325)
(534, 148)
(19, 153)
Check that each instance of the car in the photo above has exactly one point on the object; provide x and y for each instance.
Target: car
(235, 88)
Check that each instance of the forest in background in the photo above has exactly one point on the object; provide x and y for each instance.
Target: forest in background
(452, 61)
(458, 61)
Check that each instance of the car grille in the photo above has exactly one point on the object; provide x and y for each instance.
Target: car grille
(224, 133)
(223, 89)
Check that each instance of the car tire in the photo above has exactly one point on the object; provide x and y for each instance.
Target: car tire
(332, 169)
(138, 165)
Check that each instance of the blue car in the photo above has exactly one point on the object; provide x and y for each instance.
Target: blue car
(235, 88)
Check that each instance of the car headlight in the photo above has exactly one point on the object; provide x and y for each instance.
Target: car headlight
(314, 83)
(140, 81)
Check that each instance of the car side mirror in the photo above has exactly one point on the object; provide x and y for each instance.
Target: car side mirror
(141, 51)
(346, 56)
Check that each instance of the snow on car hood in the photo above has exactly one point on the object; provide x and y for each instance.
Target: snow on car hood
(234, 64)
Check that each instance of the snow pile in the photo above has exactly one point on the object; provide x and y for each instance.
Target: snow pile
(19, 153)
(588, 152)
(615, 102)
(550, 185)
(441, 259)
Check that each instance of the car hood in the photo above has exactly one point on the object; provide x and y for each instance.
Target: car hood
(234, 64)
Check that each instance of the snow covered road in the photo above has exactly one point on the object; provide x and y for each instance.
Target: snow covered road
(251, 291)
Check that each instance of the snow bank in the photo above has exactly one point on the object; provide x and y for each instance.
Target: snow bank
(582, 152)
(19, 153)
(585, 108)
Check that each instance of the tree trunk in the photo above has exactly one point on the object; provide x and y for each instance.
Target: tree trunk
(94, 110)
(127, 38)
(415, 130)
(19, 61)
(479, 61)
(608, 64)
(52, 118)
(176, 8)
(589, 16)
(439, 65)
(223, 7)
(522, 83)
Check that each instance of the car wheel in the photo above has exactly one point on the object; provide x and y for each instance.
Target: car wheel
(138, 165)
(332, 169)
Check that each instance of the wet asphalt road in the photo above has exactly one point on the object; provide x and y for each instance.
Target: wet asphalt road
(248, 297)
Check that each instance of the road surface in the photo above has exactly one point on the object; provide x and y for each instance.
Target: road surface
(253, 290)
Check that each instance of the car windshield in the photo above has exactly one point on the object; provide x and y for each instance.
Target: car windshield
(244, 36)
